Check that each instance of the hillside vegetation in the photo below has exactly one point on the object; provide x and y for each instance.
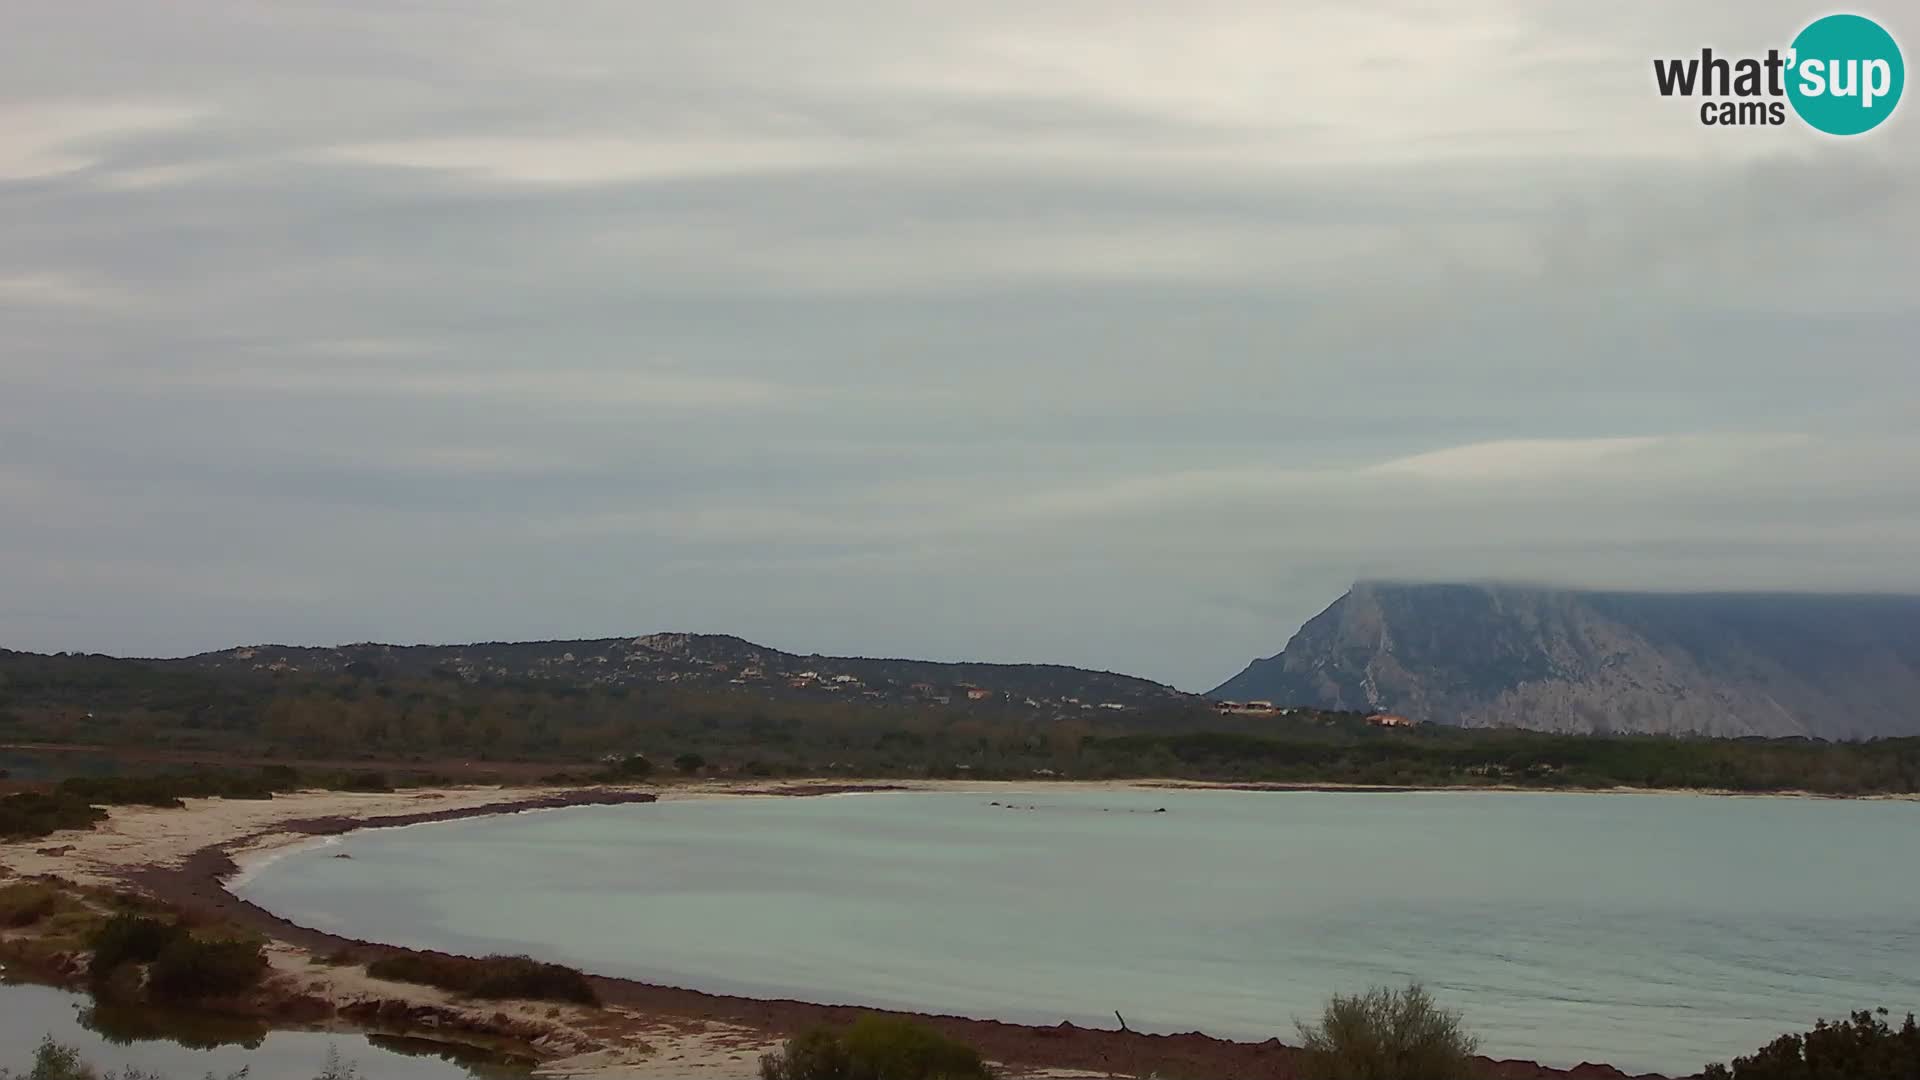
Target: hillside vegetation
(587, 733)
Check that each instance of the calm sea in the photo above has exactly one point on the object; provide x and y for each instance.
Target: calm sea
(1649, 931)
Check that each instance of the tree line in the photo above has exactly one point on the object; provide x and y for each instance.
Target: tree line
(97, 701)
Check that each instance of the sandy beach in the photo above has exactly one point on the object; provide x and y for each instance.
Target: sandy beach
(184, 857)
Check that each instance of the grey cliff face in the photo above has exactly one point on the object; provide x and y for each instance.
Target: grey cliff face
(1826, 666)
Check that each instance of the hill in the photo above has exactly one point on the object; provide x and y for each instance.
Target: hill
(717, 661)
(363, 714)
(1726, 664)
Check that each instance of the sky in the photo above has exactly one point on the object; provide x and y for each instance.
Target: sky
(1118, 334)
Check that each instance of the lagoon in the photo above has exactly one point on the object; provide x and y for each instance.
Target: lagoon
(1653, 932)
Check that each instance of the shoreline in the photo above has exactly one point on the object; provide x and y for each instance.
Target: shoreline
(645, 1030)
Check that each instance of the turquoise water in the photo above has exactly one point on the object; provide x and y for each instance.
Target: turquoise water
(187, 1046)
(1649, 931)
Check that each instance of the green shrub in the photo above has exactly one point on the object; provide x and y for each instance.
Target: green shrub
(280, 777)
(25, 903)
(690, 763)
(29, 815)
(368, 782)
(70, 926)
(875, 1048)
(635, 767)
(488, 976)
(127, 938)
(811, 1055)
(53, 1061)
(1862, 1047)
(190, 967)
(1387, 1034)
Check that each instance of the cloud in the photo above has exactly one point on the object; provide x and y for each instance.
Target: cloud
(1640, 456)
(590, 160)
(56, 290)
(1507, 459)
(583, 389)
(1097, 333)
(41, 140)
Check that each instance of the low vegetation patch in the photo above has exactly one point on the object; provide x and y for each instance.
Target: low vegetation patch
(373, 782)
(28, 815)
(875, 1048)
(1862, 1047)
(76, 802)
(27, 903)
(51, 924)
(191, 967)
(633, 767)
(129, 938)
(489, 976)
(181, 965)
(1387, 1034)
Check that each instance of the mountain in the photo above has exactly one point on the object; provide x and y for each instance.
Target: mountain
(700, 660)
(1772, 664)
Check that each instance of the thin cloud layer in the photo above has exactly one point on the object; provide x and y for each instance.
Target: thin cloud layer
(1104, 334)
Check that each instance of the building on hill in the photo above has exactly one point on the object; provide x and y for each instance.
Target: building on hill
(1386, 719)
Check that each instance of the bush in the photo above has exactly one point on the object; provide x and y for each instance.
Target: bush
(1862, 1047)
(811, 1055)
(29, 815)
(280, 777)
(636, 767)
(689, 763)
(25, 903)
(53, 1061)
(372, 782)
(125, 790)
(192, 968)
(488, 976)
(1388, 1034)
(875, 1048)
(127, 938)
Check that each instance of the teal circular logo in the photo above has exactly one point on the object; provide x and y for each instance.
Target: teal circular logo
(1846, 74)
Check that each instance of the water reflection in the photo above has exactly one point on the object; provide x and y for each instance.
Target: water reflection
(183, 1044)
(126, 1024)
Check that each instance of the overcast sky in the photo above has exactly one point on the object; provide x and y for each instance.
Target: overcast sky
(1108, 333)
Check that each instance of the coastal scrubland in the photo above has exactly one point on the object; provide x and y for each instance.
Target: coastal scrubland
(406, 730)
(132, 947)
(488, 976)
(1388, 1034)
(76, 802)
(874, 1048)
